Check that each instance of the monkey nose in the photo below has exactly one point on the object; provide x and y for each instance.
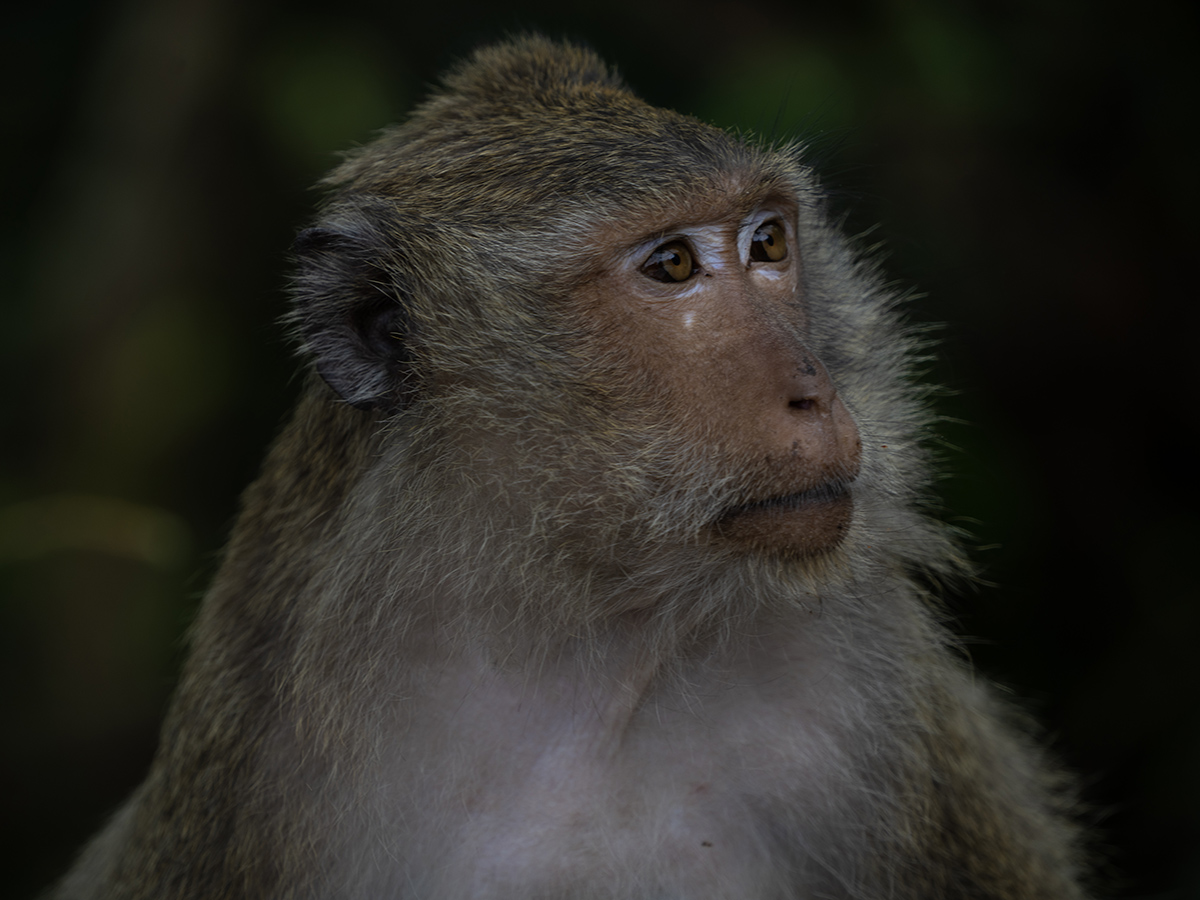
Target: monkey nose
(824, 431)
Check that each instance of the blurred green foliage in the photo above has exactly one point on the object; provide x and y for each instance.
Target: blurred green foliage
(1032, 164)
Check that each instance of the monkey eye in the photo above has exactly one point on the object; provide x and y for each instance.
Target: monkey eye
(671, 262)
(769, 244)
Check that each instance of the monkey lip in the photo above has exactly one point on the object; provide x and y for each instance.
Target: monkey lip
(832, 492)
(805, 522)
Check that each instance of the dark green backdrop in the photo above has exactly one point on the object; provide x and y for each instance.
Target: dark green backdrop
(1032, 165)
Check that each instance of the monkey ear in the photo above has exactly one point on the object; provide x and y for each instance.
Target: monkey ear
(349, 314)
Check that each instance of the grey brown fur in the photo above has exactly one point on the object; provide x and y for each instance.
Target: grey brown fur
(472, 636)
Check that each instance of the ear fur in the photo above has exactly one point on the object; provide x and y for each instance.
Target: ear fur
(349, 314)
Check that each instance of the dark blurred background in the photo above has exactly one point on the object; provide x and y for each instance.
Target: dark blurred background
(1033, 165)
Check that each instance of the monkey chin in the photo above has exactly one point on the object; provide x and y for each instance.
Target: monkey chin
(804, 524)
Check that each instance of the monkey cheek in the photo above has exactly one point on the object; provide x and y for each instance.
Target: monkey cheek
(797, 526)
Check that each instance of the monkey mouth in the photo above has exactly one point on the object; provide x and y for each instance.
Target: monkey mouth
(831, 492)
(801, 523)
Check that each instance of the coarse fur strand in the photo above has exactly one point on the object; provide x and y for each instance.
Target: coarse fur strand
(473, 635)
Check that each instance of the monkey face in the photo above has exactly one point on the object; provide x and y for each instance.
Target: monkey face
(598, 253)
(709, 312)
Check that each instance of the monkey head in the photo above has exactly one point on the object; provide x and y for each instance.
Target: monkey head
(637, 289)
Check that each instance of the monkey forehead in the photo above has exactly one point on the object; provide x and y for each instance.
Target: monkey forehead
(600, 152)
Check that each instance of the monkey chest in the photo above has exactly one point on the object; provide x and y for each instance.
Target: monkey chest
(686, 831)
(671, 803)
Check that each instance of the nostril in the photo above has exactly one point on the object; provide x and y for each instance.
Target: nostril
(806, 403)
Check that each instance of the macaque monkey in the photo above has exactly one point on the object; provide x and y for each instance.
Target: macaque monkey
(589, 564)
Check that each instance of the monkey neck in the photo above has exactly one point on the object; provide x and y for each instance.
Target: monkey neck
(604, 680)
